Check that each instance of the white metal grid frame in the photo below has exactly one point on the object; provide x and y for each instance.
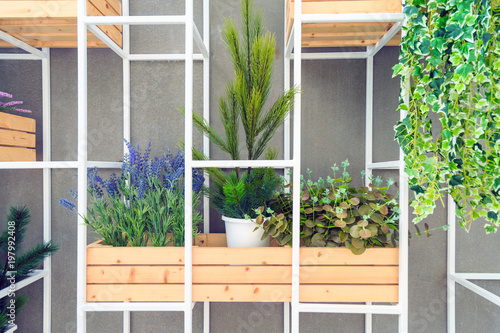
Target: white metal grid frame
(462, 278)
(295, 43)
(45, 273)
(191, 34)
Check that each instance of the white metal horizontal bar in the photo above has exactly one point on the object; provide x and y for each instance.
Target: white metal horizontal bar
(495, 299)
(105, 165)
(352, 18)
(135, 306)
(22, 45)
(106, 40)
(478, 276)
(19, 56)
(289, 44)
(39, 165)
(384, 165)
(350, 308)
(34, 276)
(244, 164)
(333, 55)
(135, 20)
(163, 57)
(58, 165)
(199, 41)
(387, 37)
(11, 328)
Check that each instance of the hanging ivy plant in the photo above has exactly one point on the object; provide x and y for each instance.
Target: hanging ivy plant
(450, 60)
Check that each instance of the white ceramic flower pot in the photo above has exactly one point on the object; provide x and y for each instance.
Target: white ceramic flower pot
(239, 233)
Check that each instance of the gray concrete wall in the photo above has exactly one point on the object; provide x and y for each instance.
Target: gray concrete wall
(333, 130)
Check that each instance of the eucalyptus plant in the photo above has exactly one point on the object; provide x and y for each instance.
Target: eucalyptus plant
(334, 213)
(450, 61)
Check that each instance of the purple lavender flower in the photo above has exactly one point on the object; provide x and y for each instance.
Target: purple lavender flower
(178, 161)
(4, 94)
(23, 110)
(74, 194)
(12, 103)
(67, 204)
(94, 182)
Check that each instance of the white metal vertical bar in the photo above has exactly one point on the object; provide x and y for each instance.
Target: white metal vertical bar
(369, 149)
(369, 119)
(451, 267)
(47, 198)
(188, 209)
(126, 75)
(126, 109)
(297, 77)
(206, 141)
(403, 228)
(82, 166)
(126, 321)
(286, 147)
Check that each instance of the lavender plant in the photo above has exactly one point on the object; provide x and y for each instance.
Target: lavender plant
(10, 106)
(145, 204)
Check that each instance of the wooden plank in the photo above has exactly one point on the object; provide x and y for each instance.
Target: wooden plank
(17, 138)
(348, 293)
(133, 255)
(241, 293)
(175, 293)
(135, 274)
(111, 31)
(243, 274)
(351, 7)
(210, 240)
(99, 255)
(38, 9)
(11, 154)
(18, 123)
(57, 44)
(349, 274)
(311, 256)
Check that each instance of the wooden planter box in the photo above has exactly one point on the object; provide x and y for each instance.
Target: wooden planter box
(221, 274)
(344, 34)
(52, 23)
(17, 138)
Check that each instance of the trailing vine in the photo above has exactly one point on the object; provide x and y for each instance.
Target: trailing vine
(450, 60)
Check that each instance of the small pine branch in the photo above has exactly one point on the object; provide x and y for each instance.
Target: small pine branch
(21, 218)
(30, 260)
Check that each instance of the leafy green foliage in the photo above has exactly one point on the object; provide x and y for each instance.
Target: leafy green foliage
(332, 213)
(238, 197)
(11, 242)
(450, 60)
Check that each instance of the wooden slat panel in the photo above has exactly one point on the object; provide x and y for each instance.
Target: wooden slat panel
(135, 274)
(38, 9)
(348, 293)
(241, 293)
(17, 138)
(351, 7)
(18, 123)
(111, 31)
(243, 274)
(349, 274)
(10, 154)
(58, 44)
(343, 256)
(97, 255)
(134, 255)
(175, 293)
(242, 256)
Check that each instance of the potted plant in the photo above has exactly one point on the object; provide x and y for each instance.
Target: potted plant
(145, 205)
(252, 54)
(18, 144)
(334, 214)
